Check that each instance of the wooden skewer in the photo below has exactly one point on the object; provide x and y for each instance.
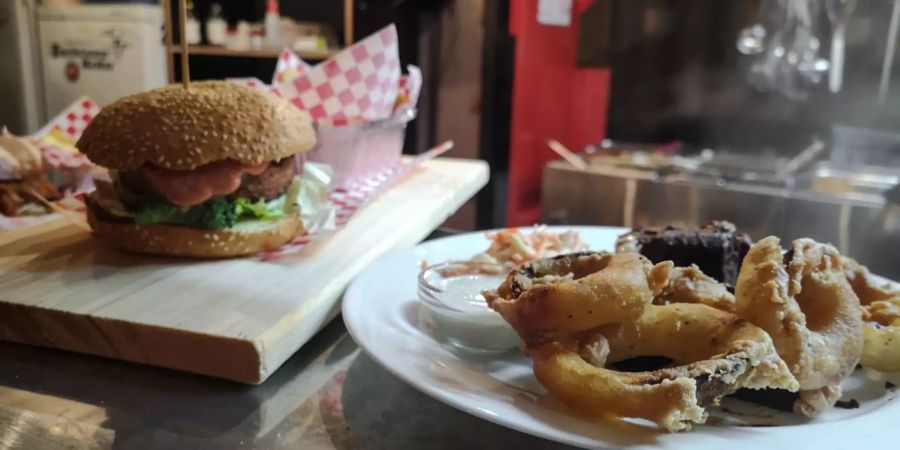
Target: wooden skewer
(185, 66)
(567, 154)
(167, 24)
(73, 217)
(348, 22)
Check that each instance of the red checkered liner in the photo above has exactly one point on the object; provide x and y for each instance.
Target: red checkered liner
(347, 202)
(360, 83)
(353, 197)
(411, 85)
(288, 61)
(63, 159)
(74, 119)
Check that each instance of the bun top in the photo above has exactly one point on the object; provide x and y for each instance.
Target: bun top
(18, 158)
(182, 129)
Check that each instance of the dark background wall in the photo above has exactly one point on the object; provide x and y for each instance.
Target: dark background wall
(678, 75)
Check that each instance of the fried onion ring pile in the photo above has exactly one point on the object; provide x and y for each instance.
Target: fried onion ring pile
(881, 313)
(576, 292)
(798, 321)
(804, 302)
(578, 313)
(715, 354)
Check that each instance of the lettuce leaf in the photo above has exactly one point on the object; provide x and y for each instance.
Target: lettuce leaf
(214, 214)
(259, 209)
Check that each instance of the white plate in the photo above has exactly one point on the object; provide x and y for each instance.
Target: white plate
(381, 312)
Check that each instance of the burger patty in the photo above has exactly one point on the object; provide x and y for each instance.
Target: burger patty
(270, 184)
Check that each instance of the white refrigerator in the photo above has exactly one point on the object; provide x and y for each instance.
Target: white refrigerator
(102, 51)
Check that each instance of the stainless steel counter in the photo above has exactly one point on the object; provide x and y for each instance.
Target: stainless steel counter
(329, 395)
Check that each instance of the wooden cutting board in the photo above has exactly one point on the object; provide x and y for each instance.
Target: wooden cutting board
(238, 319)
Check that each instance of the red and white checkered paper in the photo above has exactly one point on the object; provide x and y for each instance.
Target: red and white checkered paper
(288, 63)
(61, 158)
(347, 201)
(353, 197)
(71, 121)
(411, 85)
(74, 119)
(358, 84)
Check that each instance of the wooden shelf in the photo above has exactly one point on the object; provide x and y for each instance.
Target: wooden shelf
(214, 50)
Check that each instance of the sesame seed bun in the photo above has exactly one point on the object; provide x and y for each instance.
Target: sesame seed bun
(182, 129)
(244, 239)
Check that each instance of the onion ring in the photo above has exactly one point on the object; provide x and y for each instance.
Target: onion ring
(690, 285)
(881, 348)
(575, 292)
(717, 353)
(865, 285)
(881, 313)
(804, 302)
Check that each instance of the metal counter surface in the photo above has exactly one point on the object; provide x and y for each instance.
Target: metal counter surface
(329, 395)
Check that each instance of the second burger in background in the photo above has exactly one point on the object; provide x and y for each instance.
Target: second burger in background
(24, 187)
(207, 171)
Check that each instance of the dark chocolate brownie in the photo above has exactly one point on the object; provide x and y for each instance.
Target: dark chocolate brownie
(717, 248)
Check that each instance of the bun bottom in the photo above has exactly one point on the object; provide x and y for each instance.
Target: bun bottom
(245, 238)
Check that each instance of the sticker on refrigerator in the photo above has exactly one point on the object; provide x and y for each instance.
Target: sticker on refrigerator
(555, 12)
(102, 51)
(96, 54)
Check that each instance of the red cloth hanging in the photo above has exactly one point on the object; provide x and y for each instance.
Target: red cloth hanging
(552, 98)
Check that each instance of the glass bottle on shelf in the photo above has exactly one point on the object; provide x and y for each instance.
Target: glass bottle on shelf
(192, 26)
(216, 27)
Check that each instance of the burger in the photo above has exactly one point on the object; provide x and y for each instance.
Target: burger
(207, 171)
(24, 187)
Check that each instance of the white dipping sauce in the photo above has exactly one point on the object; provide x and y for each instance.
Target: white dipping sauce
(465, 320)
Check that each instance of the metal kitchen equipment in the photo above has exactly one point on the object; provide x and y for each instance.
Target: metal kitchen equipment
(826, 201)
